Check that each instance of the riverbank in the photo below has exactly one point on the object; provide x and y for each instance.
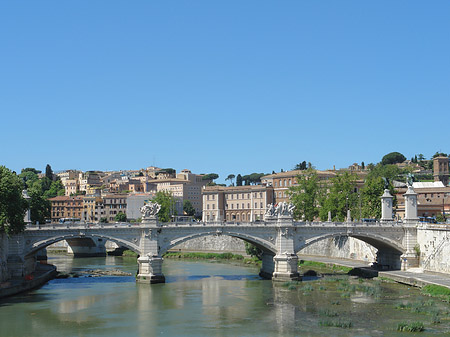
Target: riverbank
(42, 274)
(414, 277)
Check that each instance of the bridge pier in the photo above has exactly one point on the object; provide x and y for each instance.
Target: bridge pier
(267, 266)
(286, 267)
(150, 270)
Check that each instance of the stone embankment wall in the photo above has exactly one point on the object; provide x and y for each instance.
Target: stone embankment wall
(434, 247)
(4, 274)
(341, 247)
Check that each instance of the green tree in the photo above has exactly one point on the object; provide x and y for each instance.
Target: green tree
(49, 172)
(253, 251)
(210, 176)
(167, 202)
(341, 197)
(188, 209)
(306, 195)
(440, 154)
(440, 218)
(121, 217)
(300, 166)
(230, 178)
(56, 188)
(371, 198)
(239, 180)
(393, 158)
(421, 157)
(12, 205)
(40, 206)
(103, 220)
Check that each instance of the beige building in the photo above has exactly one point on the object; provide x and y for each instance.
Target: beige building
(89, 179)
(433, 198)
(236, 203)
(93, 208)
(185, 186)
(282, 181)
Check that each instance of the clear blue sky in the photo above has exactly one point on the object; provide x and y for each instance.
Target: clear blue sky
(221, 86)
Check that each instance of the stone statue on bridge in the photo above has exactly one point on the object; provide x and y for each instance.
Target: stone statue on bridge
(150, 210)
(283, 209)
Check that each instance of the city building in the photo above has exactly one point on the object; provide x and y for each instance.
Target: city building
(93, 209)
(66, 207)
(433, 198)
(184, 186)
(236, 203)
(114, 204)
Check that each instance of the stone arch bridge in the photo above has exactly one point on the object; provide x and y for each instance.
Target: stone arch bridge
(280, 239)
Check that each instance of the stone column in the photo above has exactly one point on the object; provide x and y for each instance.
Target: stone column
(410, 205)
(349, 216)
(386, 206)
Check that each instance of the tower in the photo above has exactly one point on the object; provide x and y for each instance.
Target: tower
(440, 169)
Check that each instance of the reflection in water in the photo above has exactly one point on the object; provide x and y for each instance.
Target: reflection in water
(199, 299)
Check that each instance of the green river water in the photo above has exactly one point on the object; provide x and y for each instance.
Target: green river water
(202, 298)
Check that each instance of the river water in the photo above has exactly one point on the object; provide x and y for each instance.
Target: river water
(212, 299)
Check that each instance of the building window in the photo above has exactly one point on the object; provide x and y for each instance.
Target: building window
(256, 205)
(248, 205)
(243, 206)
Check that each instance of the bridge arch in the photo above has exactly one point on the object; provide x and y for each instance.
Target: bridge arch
(38, 245)
(381, 243)
(258, 242)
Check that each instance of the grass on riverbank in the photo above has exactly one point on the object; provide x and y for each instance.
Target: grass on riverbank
(437, 291)
(129, 253)
(323, 267)
(212, 256)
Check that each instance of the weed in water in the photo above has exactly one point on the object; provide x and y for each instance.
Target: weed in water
(336, 323)
(410, 327)
(328, 313)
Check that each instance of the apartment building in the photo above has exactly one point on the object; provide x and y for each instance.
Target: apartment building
(93, 208)
(236, 203)
(184, 186)
(66, 207)
(114, 204)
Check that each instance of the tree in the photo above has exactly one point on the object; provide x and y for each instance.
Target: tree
(363, 166)
(49, 172)
(167, 202)
(440, 154)
(306, 195)
(103, 220)
(188, 209)
(246, 179)
(210, 176)
(230, 177)
(56, 188)
(40, 207)
(239, 180)
(342, 197)
(253, 251)
(121, 217)
(301, 166)
(393, 158)
(371, 198)
(12, 205)
(420, 157)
